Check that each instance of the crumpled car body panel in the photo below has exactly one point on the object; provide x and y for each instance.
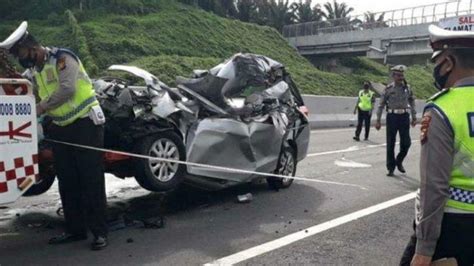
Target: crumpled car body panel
(216, 134)
(242, 140)
(230, 143)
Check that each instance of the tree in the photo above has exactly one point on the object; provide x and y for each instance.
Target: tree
(262, 12)
(246, 9)
(370, 21)
(337, 13)
(208, 5)
(281, 14)
(227, 6)
(305, 13)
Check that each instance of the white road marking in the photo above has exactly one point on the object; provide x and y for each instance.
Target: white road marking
(352, 149)
(311, 231)
(350, 164)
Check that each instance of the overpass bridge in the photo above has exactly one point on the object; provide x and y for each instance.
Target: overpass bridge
(393, 37)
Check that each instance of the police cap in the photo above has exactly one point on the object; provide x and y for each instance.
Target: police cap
(398, 68)
(452, 33)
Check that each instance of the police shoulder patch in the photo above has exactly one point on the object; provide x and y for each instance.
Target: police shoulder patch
(61, 63)
(425, 125)
(437, 95)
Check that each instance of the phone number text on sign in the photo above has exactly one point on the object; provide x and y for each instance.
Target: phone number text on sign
(10, 109)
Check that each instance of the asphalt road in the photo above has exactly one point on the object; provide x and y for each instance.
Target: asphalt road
(204, 227)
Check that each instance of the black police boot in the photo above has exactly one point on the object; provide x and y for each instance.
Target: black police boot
(66, 238)
(356, 138)
(100, 242)
(401, 168)
(390, 173)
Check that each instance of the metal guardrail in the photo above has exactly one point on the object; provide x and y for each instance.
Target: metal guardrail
(393, 18)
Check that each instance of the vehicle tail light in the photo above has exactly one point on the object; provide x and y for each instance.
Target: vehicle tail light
(113, 157)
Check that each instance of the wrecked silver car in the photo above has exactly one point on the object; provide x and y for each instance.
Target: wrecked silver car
(245, 113)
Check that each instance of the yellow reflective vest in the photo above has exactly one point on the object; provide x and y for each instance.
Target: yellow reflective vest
(365, 100)
(457, 108)
(82, 101)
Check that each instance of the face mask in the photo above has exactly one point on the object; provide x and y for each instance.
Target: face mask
(27, 63)
(440, 80)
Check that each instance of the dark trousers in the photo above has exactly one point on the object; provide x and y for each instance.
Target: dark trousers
(363, 117)
(81, 177)
(456, 240)
(397, 123)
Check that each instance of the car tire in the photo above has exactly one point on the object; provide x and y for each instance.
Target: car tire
(160, 176)
(47, 177)
(286, 166)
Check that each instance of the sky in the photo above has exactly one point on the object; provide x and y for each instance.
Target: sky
(362, 6)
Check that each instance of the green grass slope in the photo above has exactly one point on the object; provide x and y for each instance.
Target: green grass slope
(178, 38)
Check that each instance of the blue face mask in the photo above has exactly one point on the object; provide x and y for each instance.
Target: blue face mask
(440, 80)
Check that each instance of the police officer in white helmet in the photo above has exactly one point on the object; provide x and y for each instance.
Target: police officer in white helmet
(444, 221)
(399, 101)
(68, 98)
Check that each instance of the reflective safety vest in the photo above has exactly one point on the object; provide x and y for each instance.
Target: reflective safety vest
(456, 105)
(81, 102)
(365, 100)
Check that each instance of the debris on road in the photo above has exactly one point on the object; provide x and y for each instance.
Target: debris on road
(35, 225)
(154, 222)
(246, 198)
(130, 240)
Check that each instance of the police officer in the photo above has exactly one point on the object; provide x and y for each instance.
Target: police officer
(445, 204)
(67, 97)
(399, 101)
(363, 108)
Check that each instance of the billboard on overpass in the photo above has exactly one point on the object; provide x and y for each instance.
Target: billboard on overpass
(460, 23)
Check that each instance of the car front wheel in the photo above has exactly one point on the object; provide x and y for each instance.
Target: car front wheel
(287, 167)
(156, 175)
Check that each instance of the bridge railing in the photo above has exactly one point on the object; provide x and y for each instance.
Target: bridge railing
(394, 18)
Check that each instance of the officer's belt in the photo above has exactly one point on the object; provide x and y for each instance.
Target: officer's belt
(397, 111)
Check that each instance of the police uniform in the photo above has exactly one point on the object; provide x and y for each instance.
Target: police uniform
(399, 102)
(365, 104)
(67, 96)
(445, 202)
